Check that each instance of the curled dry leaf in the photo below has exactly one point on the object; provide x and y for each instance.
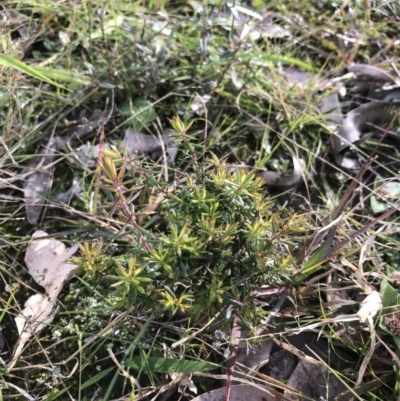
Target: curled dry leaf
(38, 182)
(198, 105)
(46, 261)
(371, 305)
(276, 179)
(331, 108)
(358, 119)
(137, 142)
(371, 73)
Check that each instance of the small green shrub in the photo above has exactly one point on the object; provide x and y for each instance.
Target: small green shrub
(218, 243)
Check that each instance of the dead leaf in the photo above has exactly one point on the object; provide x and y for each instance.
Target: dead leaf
(39, 181)
(198, 105)
(357, 120)
(37, 314)
(138, 143)
(331, 108)
(184, 380)
(314, 383)
(306, 80)
(77, 131)
(46, 261)
(370, 306)
(253, 357)
(88, 153)
(241, 393)
(386, 193)
(276, 179)
(371, 73)
(281, 365)
(247, 22)
(65, 197)
(272, 31)
(39, 311)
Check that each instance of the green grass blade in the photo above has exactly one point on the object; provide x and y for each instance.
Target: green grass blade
(63, 75)
(96, 378)
(56, 395)
(11, 62)
(164, 365)
(128, 355)
(315, 262)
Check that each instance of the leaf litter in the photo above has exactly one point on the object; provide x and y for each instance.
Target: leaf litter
(348, 131)
(46, 259)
